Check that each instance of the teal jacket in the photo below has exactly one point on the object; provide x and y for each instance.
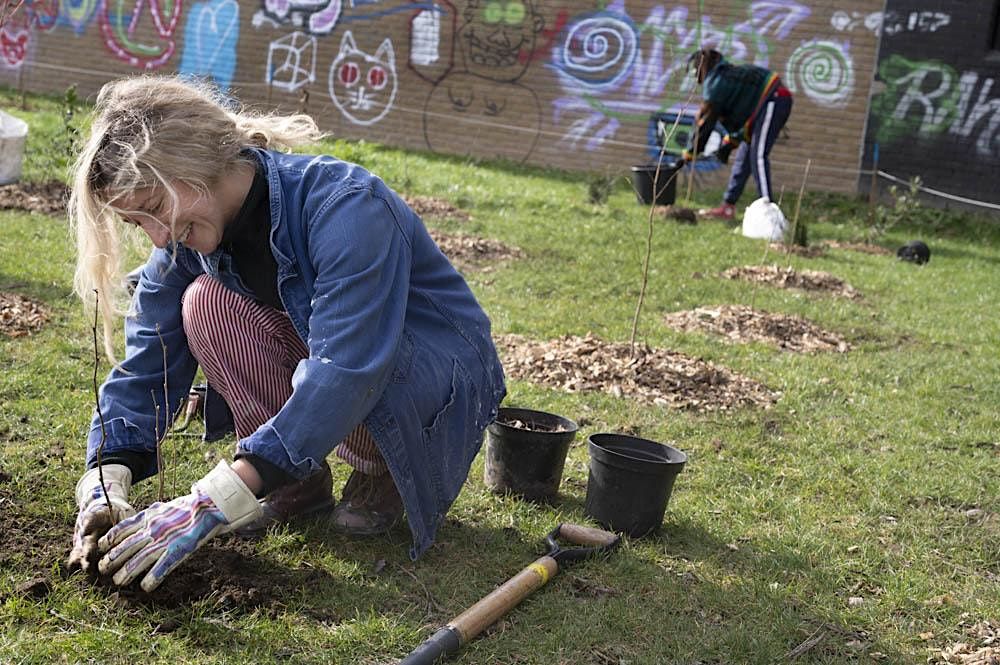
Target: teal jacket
(736, 93)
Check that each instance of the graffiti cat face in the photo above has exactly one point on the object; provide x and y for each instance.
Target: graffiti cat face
(363, 86)
(498, 37)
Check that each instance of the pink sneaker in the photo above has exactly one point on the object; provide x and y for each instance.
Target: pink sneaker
(726, 211)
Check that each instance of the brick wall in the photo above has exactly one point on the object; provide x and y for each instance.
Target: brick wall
(937, 110)
(547, 82)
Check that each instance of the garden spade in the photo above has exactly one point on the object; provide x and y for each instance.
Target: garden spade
(467, 625)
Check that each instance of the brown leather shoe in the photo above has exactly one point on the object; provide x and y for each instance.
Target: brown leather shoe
(370, 505)
(296, 501)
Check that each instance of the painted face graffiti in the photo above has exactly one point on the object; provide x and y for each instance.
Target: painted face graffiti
(363, 86)
(498, 37)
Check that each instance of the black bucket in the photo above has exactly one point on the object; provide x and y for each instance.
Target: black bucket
(526, 452)
(643, 177)
(630, 482)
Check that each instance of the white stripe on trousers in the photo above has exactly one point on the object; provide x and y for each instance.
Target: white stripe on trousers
(762, 172)
(249, 352)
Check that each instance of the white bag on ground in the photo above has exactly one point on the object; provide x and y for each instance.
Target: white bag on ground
(13, 132)
(764, 220)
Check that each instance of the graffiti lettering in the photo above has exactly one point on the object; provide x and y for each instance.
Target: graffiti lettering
(927, 98)
(890, 23)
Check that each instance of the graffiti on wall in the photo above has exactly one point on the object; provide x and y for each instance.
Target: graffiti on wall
(291, 62)
(822, 70)
(140, 32)
(317, 17)
(482, 93)
(210, 37)
(928, 99)
(78, 13)
(613, 69)
(363, 86)
(16, 33)
(890, 23)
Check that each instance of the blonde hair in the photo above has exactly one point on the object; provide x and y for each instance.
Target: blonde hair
(156, 131)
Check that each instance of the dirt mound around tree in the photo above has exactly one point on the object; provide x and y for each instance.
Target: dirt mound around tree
(430, 206)
(863, 247)
(739, 323)
(48, 198)
(653, 376)
(470, 252)
(20, 316)
(789, 278)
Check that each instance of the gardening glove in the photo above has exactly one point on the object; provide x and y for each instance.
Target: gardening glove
(165, 534)
(95, 518)
(725, 148)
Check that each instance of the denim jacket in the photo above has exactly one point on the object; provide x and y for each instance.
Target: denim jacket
(396, 339)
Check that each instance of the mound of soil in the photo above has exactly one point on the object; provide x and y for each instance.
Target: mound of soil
(20, 316)
(739, 323)
(48, 198)
(788, 278)
(429, 206)
(469, 252)
(653, 376)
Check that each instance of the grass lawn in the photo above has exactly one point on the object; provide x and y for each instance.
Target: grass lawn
(857, 520)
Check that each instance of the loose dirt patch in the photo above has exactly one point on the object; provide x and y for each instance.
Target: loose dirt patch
(654, 376)
(739, 323)
(20, 316)
(788, 278)
(45, 197)
(429, 206)
(863, 247)
(469, 252)
(810, 252)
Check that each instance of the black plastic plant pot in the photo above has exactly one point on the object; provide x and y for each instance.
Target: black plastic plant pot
(644, 177)
(526, 452)
(630, 482)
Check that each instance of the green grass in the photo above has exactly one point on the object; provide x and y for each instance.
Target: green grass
(858, 484)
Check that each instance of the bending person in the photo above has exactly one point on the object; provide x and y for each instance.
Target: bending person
(315, 302)
(753, 106)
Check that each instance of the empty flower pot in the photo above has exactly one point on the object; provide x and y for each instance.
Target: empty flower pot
(630, 482)
(526, 452)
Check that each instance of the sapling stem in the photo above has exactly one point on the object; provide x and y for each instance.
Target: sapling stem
(100, 416)
(166, 411)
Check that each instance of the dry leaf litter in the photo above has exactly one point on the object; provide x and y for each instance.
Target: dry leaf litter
(20, 316)
(430, 206)
(739, 323)
(45, 197)
(863, 247)
(983, 647)
(470, 252)
(653, 376)
(789, 278)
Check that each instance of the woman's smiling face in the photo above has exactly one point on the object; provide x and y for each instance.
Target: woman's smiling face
(197, 219)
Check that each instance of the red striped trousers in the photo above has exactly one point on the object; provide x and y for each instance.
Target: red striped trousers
(248, 352)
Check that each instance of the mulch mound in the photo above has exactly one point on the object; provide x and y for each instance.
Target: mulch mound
(810, 252)
(469, 252)
(739, 323)
(429, 206)
(652, 376)
(788, 278)
(20, 316)
(48, 198)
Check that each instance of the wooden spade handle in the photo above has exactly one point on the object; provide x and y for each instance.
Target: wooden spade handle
(587, 536)
(487, 611)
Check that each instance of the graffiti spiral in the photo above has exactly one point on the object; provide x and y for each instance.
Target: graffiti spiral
(823, 71)
(598, 50)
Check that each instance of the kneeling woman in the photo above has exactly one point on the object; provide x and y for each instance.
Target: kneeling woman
(315, 302)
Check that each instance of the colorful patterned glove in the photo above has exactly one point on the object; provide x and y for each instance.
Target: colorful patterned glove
(165, 534)
(94, 518)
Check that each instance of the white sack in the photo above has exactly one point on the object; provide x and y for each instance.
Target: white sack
(765, 221)
(13, 132)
